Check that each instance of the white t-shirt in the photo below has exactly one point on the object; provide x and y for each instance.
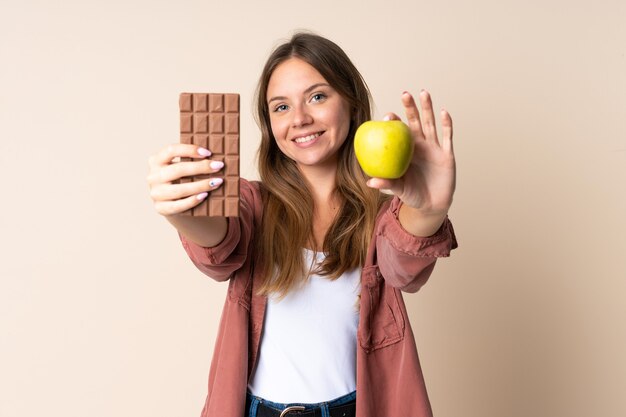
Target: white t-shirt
(308, 345)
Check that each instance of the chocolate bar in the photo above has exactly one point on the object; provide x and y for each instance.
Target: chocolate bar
(212, 121)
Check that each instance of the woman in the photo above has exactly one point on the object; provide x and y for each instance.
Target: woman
(318, 258)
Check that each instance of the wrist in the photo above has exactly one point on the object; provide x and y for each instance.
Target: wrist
(420, 223)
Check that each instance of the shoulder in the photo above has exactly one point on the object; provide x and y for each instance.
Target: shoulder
(249, 185)
(250, 190)
(388, 204)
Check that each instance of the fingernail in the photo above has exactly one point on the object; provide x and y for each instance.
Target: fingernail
(216, 164)
(204, 152)
(201, 196)
(215, 182)
(386, 118)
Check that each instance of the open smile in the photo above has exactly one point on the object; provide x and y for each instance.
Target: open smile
(307, 138)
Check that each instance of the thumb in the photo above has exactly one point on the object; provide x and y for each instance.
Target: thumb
(395, 186)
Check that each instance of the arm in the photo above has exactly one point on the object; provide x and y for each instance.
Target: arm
(203, 231)
(216, 245)
(221, 260)
(405, 260)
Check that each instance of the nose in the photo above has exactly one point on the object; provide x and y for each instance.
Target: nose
(301, 116)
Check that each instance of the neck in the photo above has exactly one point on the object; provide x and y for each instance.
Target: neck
(322, 181)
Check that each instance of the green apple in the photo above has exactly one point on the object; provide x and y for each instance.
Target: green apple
(384, 148)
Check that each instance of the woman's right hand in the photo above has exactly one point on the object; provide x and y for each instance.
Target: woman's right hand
(170, 198)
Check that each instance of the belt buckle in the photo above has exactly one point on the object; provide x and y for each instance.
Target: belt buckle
(292, 408)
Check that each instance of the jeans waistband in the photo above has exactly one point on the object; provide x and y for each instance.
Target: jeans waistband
(252, 403)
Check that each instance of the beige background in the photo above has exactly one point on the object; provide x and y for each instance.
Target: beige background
(102, 314)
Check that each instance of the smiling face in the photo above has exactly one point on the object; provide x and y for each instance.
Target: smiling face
(309, 119)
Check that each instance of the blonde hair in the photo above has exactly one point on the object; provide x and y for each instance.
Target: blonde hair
(287, 224)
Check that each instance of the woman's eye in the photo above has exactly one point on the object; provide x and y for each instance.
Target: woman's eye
(318, 97)
(280, 108)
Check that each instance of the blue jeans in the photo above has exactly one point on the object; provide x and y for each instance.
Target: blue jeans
(252, 402)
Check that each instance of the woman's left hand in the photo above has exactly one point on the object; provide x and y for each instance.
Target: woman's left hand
(429, 183)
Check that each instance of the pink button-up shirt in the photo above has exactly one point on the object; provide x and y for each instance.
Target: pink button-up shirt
(389, 377)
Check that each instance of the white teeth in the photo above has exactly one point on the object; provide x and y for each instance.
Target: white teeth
(307, 138)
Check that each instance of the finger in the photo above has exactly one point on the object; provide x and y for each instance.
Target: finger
(428, 118)
(395, 186)
(412, 114)
(446, 127)
(174, 150)
(170, 192)
(168, 208)
(391, 116)
(176, 171)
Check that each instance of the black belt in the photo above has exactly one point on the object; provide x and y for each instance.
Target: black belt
(345, 410)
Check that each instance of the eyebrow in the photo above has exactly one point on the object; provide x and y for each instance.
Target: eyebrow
(308, 90)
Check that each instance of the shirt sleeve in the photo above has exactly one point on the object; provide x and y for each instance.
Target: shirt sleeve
(404, 260)
(221, 261)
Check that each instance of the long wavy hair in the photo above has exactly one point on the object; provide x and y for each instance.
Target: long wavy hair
(287, 224)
